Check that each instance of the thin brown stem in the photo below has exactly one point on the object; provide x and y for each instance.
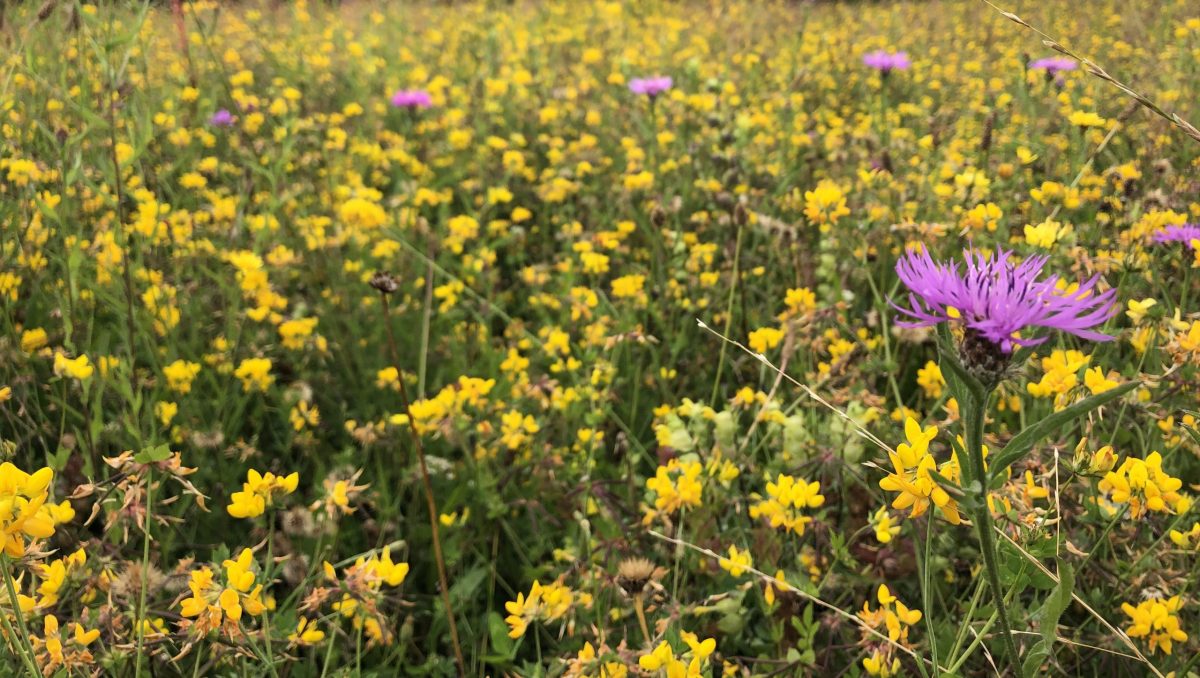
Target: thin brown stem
(429, 500)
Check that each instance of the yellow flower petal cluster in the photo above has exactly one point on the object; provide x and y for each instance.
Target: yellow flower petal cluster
(1157, 621)
(912, 464)
(259, 492)
(787, 497)
(214, 603)
(24, 513)
(1145, 486)
(544, 603)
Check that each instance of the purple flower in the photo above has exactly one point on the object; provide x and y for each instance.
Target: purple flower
(1186, 234)
(412, 98)
(887, 61)
(651, 87)
(1053, 65)
(996, 298)
(222, 118)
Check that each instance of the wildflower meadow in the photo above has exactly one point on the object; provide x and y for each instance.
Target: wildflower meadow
(607, 338)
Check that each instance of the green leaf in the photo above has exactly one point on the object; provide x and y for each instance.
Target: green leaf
(1024, 441)
(501, 643)
(1047, 617)
(961, 383)
(153, 455)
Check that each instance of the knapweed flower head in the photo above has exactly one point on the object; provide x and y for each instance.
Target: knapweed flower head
(652, 86)
(1053, 65)
(1157, 621)
(912, 463)
(882, 60)
(221, 118)
(260, 491)
(412, 98)
(1188, 234)
(997, 299)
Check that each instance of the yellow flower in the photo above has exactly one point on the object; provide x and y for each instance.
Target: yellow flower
(787, 498)
(76, 368)
(628, 286)
(930, 379)
(180, 374)
(1097, 382)
(32, 340)
(1045, 234)
(1086, 119)
(765, 339)
(304, 414)
(1138, 309)
(210, 602)
(912, 464)
(1157, 621)
(825, 204)
(1144, 486)
(259, 492)
(1187, 540)
(737, 562)
(25, 513)
(676, 486)
(881, 520)
(306, 633)
(255, 374)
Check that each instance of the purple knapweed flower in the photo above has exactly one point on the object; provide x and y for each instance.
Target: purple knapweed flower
(651, 87)
(412, 98)
(1053, 65)
(222, 118)
(887, 62)
(1187, 234)
(996, 299)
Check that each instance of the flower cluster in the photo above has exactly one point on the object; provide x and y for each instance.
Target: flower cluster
(912, 464)
(1144, 486)
(260, 492)
(787, 496)
(1156, 620)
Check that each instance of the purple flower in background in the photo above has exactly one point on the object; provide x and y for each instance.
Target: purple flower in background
(412, 98)
(651, 87)
(1187, 234)
(222, 118)
(887, 61)
(1053, 65)
(995, 299)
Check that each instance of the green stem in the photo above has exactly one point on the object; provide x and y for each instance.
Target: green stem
(26, 652)
(267, 574)
(141, 605)
(970, 616)
(1100, 540)
(927, 597)
(983, 518)
(733, 285)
